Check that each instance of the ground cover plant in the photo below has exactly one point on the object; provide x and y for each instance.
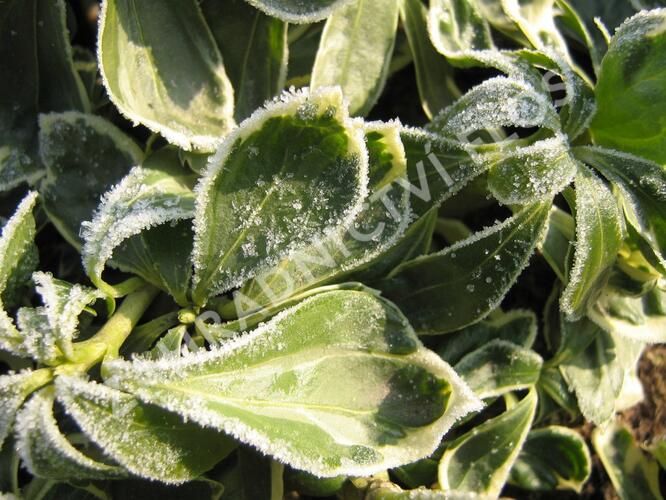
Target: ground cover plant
(356, 249)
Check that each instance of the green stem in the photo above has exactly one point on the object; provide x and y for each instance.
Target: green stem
(107, 341)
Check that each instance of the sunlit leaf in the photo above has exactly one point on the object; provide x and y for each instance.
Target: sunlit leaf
(633, 474)
(499, 367)
(598, 237)
(552, 458)
(297, 11)
(159, 192)
(48, 453)
(392, 407)
(457, 26)
(355, 51)
(379, 229)
(18, 259)
(630, 91)
(480, 461)
(536, 172)
(162, 69)
(279, 192)
(146, 440)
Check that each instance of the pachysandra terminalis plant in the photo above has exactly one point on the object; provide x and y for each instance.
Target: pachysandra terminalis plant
(223, 276)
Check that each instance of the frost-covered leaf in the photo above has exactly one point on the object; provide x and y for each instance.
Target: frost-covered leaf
(84, 156)
(517, 327)
(641, 319)
(536, 21)
(385, 490)
(156, 193)
(355, 51)
(630, 91)
(298, 11)
(392, 407)
(460, 285)
(497, 102)
(535, 172)
(146, 440)
(552, 458)
(46, 451)
(162, 69)
(290, 175)
(556, 246)
(479, 462)
(499, 367)
(437, 168)
(457, 26)
(594, 372)
(434, 75)
(254, 49)
(632, 473)
(63, 303)
(578, 106)
(642, 185)
(169, 346)
(378, 229)
(598, 238)
(14, 389)
(18, 259)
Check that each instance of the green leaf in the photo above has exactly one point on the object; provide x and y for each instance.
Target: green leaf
(517, 327)
(536, 21)
(371, 247)
(641, 319)
(557, 244)
(18, 259)
(497, 102)
(162, 69)
(169, 346)
(146, 440)
(594, 372)
(296, 11)
(630, 90)
(460, 285)
(434, 75)
(536, 172)
(355, 51)
(552, 458)
(60, 88)
(437, 168)
(14, 389)
(577, 106)
(598, 238)
(84, 156)
(499, 367)
(279, 193)
(384, 490)
(254, 49)
(642, 186)
(392, 407)
(46, 452)
(19, 93)
(63, 303)
(480, 461)
(457, 26)
(632, 473)
(156, 193)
